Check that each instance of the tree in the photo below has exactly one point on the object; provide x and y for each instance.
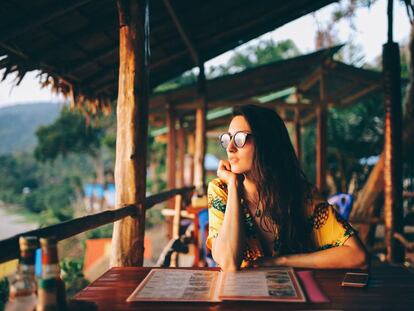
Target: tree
(256, 54)
(73, 133)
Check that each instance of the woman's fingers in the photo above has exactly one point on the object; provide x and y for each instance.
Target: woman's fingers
(224, 170)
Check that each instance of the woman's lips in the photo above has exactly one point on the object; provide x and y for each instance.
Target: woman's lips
(233, 160)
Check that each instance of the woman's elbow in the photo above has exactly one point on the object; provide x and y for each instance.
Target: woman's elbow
(360, 259)
(227, 263)
(229, 267)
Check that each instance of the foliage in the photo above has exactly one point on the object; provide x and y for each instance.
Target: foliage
(353, 133)
(253, 55)
(45, 188)
(69, 133)
(72, 274)
(100, 232)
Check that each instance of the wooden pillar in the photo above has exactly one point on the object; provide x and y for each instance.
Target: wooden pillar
(297, 126)
(132, 132)
(181, 154)
(393, 210)
(171, 152)
(178, 201)
(171, 164)
(200, 135)
(321, 125)
(189, 172)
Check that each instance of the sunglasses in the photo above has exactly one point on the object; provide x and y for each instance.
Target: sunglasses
(239, 139)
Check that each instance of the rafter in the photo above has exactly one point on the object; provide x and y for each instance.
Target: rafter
(94, 58)
(183, 33)
(313, 78)
(354, 97)
(20, 27)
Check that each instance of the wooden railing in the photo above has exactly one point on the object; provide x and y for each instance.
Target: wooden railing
(9, 248)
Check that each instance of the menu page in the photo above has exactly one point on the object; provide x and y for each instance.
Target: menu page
(278, 284)
(184, 285)
(177, 285)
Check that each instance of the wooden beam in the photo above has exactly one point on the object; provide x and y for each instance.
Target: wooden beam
(94, 58)
(313, 78)
(132, 133)
(70, 228)
(99, 79)
(183, 33)
(40, 18)
(95, 25)
(354, 97)
(352, 73)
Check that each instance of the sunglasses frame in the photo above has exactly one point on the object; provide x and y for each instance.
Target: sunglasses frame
(247, 134)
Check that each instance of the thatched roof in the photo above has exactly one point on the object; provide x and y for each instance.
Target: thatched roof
(75, 43)
(345, 84)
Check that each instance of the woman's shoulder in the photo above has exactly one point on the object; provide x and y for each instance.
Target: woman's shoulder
(317, 206)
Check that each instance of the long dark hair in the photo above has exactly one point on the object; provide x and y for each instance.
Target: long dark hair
(283, 189)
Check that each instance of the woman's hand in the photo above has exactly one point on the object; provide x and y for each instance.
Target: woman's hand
(224, 172)
(269, 261)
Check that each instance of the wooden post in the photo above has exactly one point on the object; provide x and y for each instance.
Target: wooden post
(181, 155)
(298, 134)
(171, 147)
(321, 125)
(200, 135)
(189, 172)
(393, 210)
(132, 131)
(178, 202)
(171, 164)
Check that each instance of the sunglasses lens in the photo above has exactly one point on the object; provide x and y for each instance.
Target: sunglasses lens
(225, 140)
(240, 139)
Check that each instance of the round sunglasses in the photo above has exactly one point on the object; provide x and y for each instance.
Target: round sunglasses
(239, 139)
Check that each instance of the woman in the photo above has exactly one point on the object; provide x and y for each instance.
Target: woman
(263, 211)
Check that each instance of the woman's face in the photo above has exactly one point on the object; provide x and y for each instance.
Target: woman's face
(241, 159)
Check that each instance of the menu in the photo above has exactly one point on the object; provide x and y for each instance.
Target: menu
(186, 285)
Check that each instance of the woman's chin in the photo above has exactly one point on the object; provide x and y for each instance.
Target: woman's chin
(237, 170)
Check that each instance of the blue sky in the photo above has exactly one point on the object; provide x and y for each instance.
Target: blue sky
(371, 25)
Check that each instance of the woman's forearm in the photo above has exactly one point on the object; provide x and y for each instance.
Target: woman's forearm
(341, 257)
(334, 258)
(227, 247)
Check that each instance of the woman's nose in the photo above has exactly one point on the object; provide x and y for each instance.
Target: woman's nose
(231, 147)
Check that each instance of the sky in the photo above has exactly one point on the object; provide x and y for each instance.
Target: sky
(371, 34)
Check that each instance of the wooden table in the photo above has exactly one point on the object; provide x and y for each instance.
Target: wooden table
(389, 288)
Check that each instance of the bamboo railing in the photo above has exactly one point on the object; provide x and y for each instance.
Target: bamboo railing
(9, 248)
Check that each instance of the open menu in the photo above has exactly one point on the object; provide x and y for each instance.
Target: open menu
(181, 285)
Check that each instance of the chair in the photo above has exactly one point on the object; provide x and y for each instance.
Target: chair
(344, 203)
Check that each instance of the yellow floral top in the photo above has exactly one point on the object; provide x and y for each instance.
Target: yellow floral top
(328, 227)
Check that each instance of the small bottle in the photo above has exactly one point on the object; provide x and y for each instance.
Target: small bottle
(22, 294)
(51, 293)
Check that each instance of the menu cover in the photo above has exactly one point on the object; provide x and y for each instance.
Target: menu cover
(186, 285)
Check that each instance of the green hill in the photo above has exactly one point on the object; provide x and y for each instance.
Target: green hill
(19, 123)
